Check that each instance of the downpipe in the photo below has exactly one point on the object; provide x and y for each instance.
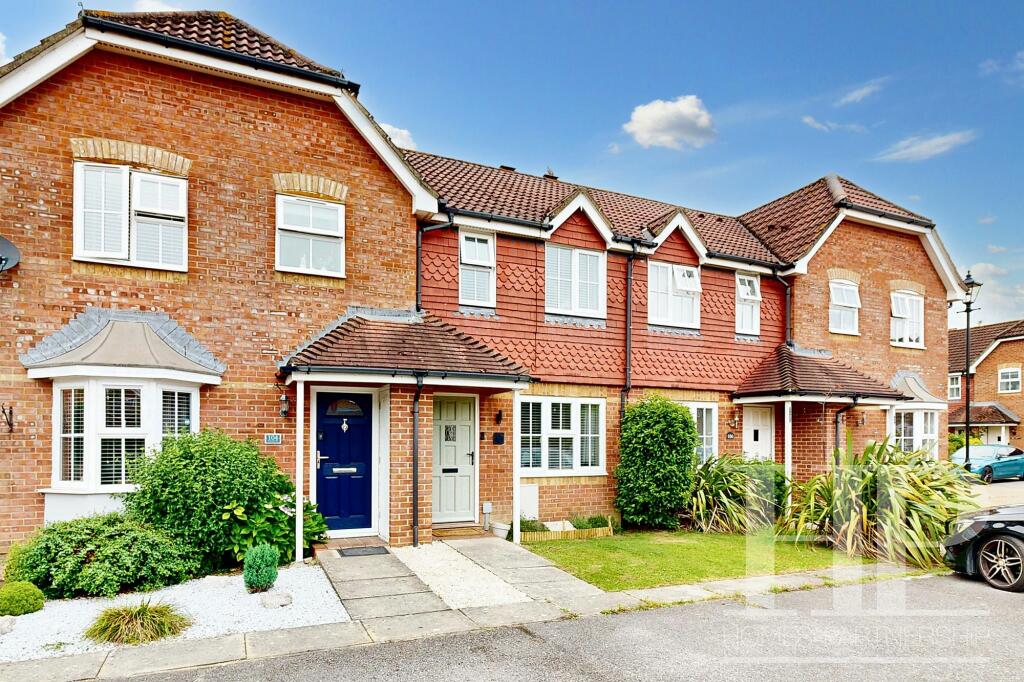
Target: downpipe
(416, 461)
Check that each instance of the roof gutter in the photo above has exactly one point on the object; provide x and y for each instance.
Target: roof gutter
(844, 203)
(493, 217)
(399, 371)
(171, 41)
(749, 261)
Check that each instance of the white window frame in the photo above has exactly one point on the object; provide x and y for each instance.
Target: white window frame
(130, 212)
(575, 309)
(751, 302)
(312, 233)
(925, 425)
(151, 428)
(679, 276)
(954, 387)
(466, 262)
(713, 408)
(904, 317)
(835, 289)
(574, 431)
(1008, 376)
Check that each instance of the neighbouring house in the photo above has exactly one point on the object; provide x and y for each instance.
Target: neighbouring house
(996, 358)
(215, 233)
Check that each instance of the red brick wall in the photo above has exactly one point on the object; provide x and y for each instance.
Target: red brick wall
(231, 299)
(401, 486)
(985, 383)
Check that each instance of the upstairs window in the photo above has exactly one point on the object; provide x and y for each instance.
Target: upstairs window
(844, 307)
(673, 297)
(1009, 380)
(907, 322)
(574, 281)
(130, 217)
(953, 389)
(476, 269)
(310, 236)
(561, 436)
(748, 304)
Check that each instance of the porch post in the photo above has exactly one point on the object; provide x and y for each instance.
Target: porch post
(787, 441)
(300, 463)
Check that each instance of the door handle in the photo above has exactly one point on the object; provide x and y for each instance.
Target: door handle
(472, 457)
(319, 458)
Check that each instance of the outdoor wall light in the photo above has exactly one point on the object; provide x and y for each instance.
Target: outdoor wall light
(499, 415)
(285, 404)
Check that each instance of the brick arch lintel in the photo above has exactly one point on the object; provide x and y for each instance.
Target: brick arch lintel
(845, 274)
(131, 153)
(906, 285)
(315, 186)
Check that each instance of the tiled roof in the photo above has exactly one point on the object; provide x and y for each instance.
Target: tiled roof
(983, 413)
(981, 338)
(789, 371)
(727, 235)
(403, 341)
(215, 29)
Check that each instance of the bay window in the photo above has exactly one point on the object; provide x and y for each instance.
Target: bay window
(673, 295)
(310, 236)
(748, 304)
(843, 307)
(574, 281)
(561, 436)
(907, 322)
(916, 431)
(476, 269)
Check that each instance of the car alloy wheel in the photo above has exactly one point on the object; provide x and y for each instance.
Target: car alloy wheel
(1001, 562)
(986, 474)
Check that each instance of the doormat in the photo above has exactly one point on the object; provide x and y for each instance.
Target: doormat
(466, 532)
(362, 551)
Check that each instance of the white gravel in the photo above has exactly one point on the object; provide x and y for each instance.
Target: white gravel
(460, 582)
(217, 605)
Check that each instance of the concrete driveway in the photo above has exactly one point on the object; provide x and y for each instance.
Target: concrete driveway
(1001, 492)
(936, 628)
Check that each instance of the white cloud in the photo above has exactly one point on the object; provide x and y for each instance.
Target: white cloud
(989, 67)
(996, 248)
(1012, 69)
(3, 50)
(153, 6)
(998, 299)
(400, 136)
(614, 148)
(986, 219)
(861, 92)
(829, 126)
(914, 197)
(677, 124)
(917, 148)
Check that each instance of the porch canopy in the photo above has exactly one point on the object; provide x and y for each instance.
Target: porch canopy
(793, 374)
(984, 414)
(375, 346)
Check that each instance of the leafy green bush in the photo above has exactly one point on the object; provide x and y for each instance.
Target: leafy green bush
(958, 440)
(729, 496)
(771, 480)
(596, 521)
(137, 624)
(20, 597)
(13, 565)
(260, 568)
(657, 448)
(527, 526)
(195, 483)
(882, 503)
(102, 556)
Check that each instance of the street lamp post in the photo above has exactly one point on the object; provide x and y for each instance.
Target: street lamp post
(970, 297)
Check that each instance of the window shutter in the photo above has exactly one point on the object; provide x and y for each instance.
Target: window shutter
(159, 194)
(101, 211)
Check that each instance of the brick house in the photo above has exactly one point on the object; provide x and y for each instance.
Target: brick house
(997, 355)
(215, 233)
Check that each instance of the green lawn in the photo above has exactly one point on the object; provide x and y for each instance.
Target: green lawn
(650, 559)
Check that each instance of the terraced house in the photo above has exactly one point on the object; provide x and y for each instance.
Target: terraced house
(994, 372)
(215, 233)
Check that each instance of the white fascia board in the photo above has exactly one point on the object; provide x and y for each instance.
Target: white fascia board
(405, 380)
(726, 264)
(943, 263)
(583, 202)
(800, 266)
(473, 223)
(681, 223)
(43, 65)
(754, 400)
(423, 202)
(988, 351)
(66, 371)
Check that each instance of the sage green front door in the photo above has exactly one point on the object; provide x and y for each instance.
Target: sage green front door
(455, 459)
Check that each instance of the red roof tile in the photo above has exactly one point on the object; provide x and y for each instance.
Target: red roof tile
(369, 341)
(215, 29)
(788, 371)
(983, 413)
(981, 338)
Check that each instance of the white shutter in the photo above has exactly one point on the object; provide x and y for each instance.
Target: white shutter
(588, 268)
(558, 278)
(100, 211)
(159, 194)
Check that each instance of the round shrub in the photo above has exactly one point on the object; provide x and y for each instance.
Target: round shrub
(102, 556)
(260, 568)
(218, 494)
(19, 598)
(657, 448)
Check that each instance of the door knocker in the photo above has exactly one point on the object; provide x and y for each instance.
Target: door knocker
(344, 425)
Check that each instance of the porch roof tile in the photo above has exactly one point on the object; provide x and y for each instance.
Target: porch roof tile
(983, 414)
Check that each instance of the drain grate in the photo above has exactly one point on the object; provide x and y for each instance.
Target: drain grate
(362, 551)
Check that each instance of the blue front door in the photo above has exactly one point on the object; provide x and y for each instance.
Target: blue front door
(344, 445)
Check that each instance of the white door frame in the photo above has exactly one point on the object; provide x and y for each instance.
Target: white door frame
(476, 458)
(375, 454)
(771, 441)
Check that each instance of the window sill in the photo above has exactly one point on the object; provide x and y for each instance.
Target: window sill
(105, 490)
(748, 336)
(843, 333)
(312, 273)
(564, 473)
(487, 310)
(679, 330)
(908, 345)
(575, 313)
(131, 264)
(574, 320)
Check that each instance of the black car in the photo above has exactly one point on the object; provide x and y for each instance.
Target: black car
(990, 543)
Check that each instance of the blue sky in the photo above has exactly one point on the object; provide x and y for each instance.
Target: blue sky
(720, 108)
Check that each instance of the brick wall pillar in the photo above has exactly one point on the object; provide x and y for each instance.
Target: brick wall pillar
(401, 505)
